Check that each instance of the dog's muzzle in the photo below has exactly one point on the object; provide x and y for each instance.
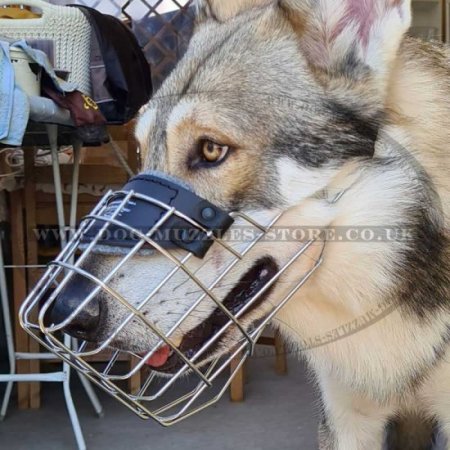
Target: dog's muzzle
(154, 214)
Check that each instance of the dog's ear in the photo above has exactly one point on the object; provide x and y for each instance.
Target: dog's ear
(223, 10)
(350, 38)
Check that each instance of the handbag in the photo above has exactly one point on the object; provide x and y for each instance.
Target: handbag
(120, 74)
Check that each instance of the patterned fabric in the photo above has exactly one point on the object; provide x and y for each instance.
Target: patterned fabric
(164, 39)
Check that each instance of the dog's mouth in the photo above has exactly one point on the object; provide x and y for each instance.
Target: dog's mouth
(165, 360)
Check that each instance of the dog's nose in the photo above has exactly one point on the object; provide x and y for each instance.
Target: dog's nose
(85, 323)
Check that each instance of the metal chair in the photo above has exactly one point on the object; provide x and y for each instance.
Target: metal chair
(63, 375)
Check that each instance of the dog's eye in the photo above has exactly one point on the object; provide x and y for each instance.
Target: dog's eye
(212, 152)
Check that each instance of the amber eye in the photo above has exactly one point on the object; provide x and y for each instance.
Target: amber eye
(212, 152)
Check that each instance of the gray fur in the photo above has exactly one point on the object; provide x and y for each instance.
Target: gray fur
(300, 120)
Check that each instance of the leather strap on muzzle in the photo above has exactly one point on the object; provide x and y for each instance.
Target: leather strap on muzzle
(142, 215)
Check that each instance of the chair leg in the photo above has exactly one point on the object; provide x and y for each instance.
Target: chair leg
(72, 225)
(135, 381)
(52, 131)
(280, 356)
(72, 411)
(237, 385)
(98, 408)
(9, 335)
(6, 399)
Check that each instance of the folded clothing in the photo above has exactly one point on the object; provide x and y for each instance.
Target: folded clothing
(6, 89)
(14, 103)
(14, 107)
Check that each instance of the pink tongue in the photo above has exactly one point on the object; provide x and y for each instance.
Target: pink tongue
(159, 358)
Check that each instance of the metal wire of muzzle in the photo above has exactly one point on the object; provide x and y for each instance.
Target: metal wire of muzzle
(166, 399)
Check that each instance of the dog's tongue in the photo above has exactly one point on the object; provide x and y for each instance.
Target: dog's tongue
(159, 358)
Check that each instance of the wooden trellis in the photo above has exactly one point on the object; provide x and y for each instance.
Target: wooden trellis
(164, 36)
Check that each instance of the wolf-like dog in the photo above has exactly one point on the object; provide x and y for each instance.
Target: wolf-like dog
(281, 105)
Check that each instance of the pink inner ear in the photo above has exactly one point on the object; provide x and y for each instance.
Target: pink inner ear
(364, 13)
(361, 15)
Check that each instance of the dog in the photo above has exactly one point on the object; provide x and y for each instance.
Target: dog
(280, 106)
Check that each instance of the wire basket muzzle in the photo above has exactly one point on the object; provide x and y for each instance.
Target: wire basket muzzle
(173, 292)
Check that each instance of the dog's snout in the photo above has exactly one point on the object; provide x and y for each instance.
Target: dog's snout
(85, 323)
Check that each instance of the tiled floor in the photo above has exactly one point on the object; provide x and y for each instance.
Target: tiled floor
(278, 414)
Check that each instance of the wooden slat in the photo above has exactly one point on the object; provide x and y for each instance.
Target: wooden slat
(135, 382)
(89, 174)
(237, 385)
(32, 259)
(20, 292)
(280, 355)
(118, 132)
(44, 197)
(46, 215)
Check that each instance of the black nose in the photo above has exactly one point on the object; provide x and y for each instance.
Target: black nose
(85, 323)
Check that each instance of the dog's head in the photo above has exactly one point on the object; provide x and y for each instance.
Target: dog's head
(271, 101)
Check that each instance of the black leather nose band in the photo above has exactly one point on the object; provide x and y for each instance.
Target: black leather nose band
(142, 215)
